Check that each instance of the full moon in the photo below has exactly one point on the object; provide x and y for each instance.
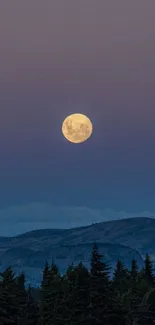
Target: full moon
(77, 128)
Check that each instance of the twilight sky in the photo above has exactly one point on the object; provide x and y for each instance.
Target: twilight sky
(94, 57)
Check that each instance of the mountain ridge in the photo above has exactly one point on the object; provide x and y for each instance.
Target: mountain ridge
(125, 239)
(81, 227)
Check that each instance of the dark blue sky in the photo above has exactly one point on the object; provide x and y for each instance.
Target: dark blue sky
(92, 57)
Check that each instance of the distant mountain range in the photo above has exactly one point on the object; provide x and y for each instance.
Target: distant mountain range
(125, 239)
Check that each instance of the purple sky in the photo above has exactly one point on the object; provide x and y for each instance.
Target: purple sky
(95, 57)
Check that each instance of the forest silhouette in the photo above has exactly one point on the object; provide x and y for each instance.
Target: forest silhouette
(81, 296)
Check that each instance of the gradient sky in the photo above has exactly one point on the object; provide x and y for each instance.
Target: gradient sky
(90, 56)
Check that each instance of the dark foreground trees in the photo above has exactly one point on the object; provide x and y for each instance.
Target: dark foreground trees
(81, 296)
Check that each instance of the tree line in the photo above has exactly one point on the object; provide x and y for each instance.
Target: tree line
(81, 296)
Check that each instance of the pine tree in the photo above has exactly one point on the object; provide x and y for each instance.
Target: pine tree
(71, 277)
(54, 291)
(118, 288)
(44, 296)
(32, 309)
(4, 317)
(9, 299)
(50, 292)
(134, 289)
(21, 297)
(62, 311)
(120, 277)
(81, 296)
(99, 288)
(65, 303)
(98, 267)
(71, 280)
(148, 270)
(134, 271)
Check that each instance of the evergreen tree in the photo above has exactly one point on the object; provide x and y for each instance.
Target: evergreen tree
(99, 288)
(21, 297)
(4, 317)
(54, 291)
(65, 306)
(50, 291)
(98, 267)
(81, 296)
(134, 298)
(120, 277)
(9, 298)
(118, 288)
(134, 271)
(148, 270)
(44, 310)
(71, 277)
(32, 309)
(71, 280)
(62, 311)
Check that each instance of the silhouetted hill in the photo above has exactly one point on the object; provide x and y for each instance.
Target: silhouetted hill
(127, 239)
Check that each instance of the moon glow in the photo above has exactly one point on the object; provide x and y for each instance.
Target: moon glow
(77, 128)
